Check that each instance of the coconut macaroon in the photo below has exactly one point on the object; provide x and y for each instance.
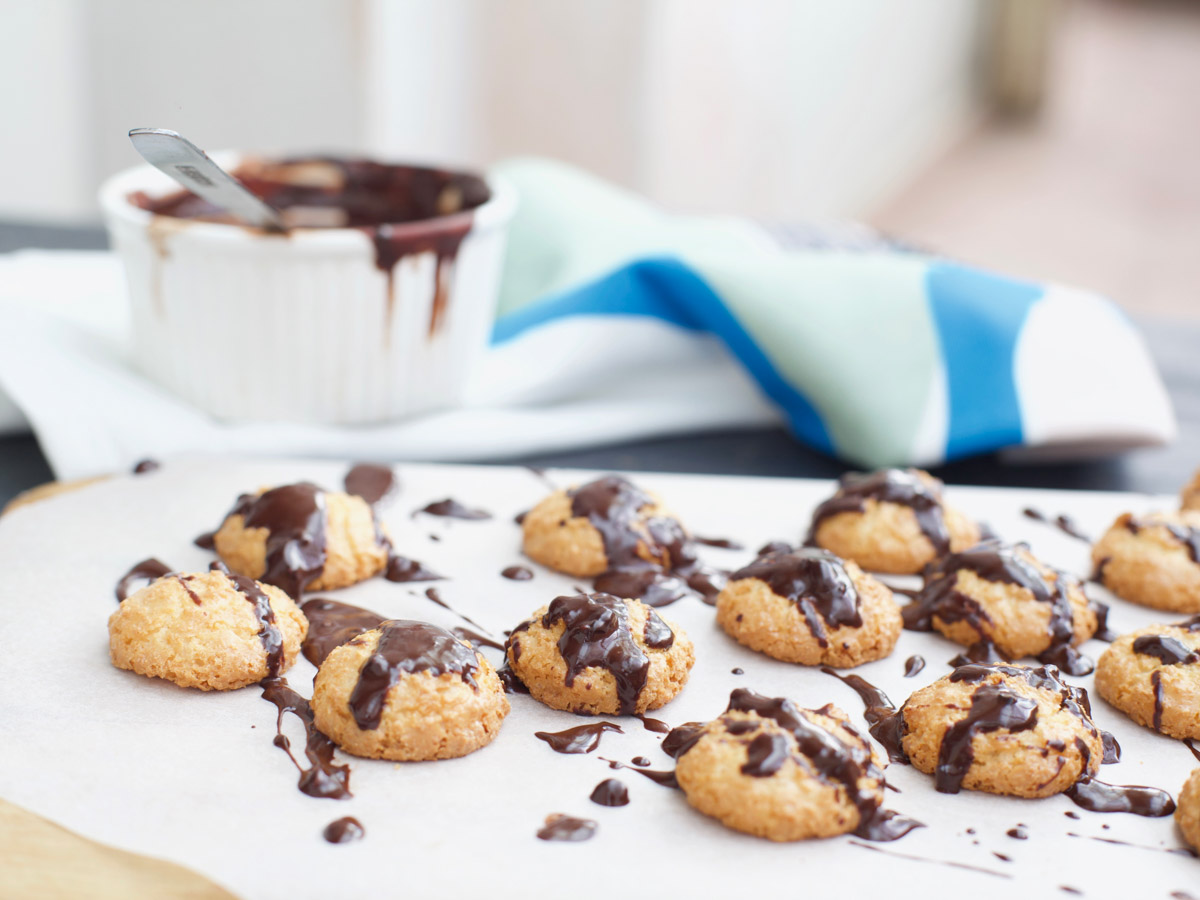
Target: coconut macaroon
(408, 691)
(587, 530)
(212, 630)
(600, 655)
(1003, 729)
(1152, 560)
(300, 537)
(1153, 676)
(1189, 497)
(998, 597)
(807, 606)
(774, 770)
(892, 520)
(1187, 811)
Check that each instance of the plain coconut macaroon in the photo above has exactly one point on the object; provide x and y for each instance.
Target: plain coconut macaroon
(808, 606)
(302, 538)
(408, 691)
(892, 520)
(213, 630)
(596, 654)
(1152, 560)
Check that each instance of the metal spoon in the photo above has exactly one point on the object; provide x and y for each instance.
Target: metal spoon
(173, 154)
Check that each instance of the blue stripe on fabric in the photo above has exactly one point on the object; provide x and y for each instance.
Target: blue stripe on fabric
(666, 289)
(979, 318)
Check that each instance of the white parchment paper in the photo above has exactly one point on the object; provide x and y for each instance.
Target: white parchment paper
(194, 778)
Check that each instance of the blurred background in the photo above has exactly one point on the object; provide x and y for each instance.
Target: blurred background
(1051, 139)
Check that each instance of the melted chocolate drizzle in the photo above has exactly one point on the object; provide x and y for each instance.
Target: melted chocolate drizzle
(1063, 523)
(1002, 564)
(268, 632)
(407, 647)
(610, 792)
(1099, 796)
(612, 505)
(913, 665)
(294, 516)
(580, 739)
(1186, 535)
(720, 543)
(372, 482)
(1170, 651)
(479, 640)
(144, 573)
(332, 623)
(658, 726)
(323, 777)
(560, 827)
(344, 830)
(816, 581)
(903, 487)
(452, 509)
(402, 569)
(994, 707)
(597, 632)
(831, 758)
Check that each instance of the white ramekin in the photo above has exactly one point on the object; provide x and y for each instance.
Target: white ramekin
(300, 328)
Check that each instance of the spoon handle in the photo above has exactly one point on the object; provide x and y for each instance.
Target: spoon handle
(175, 155)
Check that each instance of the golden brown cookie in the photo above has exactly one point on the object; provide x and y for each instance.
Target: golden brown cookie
(601, 655)
(587, 530)
(213, 630)
(809, 607)
(998, 597)
(301, 538)
(46, 491)
(892, 520)
(1189, 497)
(408, 691)
(1153, 676)
(1187, 810)
(1152, 560)
(1003, 729)
(771, 769)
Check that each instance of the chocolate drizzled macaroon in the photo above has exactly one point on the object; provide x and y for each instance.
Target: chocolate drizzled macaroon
(1187, 813)
(771, 769)
(1003, 729)
(612, 530)
(301, 538)
(808, 606)
(998, 599)
(1153, 676)
(408, 691)
(601, 655)
(892, 520)
(210, 630)
(1152, 560)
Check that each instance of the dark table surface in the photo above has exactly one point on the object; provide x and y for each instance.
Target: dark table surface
(770, 451)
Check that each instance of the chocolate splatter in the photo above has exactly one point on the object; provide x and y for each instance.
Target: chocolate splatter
(402, 569)
(658, 726)
(372, 482)
(452, 509)
(146, 466)
(580, 739)
(517, 573)
(721, 543)
(1099, 796)
(610, 792)
(1063, 523)
(561, 827)
(344, 830)
(479, 640)
(913, 665)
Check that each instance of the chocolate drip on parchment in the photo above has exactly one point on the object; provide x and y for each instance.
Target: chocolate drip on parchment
(580, 739)
(344, 830)
(373, 482)
(332, 623)
(140, 575)
(610, 792)
(561, 827)
(323, 777)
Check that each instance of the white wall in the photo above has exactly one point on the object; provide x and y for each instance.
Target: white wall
(770, 108)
